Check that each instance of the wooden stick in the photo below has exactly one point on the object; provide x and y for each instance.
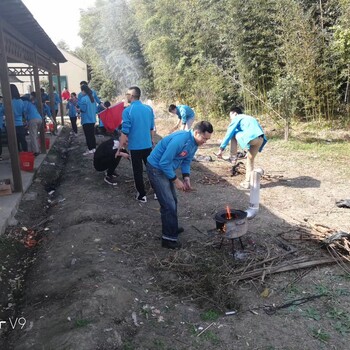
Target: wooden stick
(205, 329)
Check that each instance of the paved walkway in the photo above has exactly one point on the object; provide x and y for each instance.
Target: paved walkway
(9, 204)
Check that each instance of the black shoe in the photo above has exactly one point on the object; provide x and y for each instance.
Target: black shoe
(36, 154)
(180, 230)
(171, 244)
(111, 180)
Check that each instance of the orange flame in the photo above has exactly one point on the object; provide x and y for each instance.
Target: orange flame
(228, 213)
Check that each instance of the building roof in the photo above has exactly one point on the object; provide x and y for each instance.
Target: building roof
(15, 13)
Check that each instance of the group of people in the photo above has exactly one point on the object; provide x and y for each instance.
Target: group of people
(175, 151)
(27, 118)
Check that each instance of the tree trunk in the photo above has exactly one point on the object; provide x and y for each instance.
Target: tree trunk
(286, 130)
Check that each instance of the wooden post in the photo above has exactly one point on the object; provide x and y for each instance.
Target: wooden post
(60, 92)
(40, 107)
(52, 100)
(10, 120)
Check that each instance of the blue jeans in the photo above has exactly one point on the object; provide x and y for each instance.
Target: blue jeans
(166, 193)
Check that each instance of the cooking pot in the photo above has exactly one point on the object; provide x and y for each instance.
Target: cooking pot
(234, 227)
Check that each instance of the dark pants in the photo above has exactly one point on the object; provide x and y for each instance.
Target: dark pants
(137, 157)
(89, 131)
(0, 142)
(73, 121)
(21, 139)
(166, 194)
(109, 164)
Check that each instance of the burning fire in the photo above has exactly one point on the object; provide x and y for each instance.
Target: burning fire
(228, 213)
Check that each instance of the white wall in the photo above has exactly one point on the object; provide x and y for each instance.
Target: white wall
(75, 70)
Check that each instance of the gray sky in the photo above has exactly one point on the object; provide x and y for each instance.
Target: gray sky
(64, 24)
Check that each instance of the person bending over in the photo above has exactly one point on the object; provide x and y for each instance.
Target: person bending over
(172, 152)
(106, 159)
(247, 131)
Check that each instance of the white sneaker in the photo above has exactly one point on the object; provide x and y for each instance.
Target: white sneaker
(155, 197)
(89, 152)
(141, 200)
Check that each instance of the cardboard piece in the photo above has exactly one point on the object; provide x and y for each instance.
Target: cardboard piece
(5, 187)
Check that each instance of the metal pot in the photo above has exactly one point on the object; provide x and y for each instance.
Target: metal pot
(235, 227)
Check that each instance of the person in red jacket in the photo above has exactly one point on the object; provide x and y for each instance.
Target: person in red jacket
(65, 94)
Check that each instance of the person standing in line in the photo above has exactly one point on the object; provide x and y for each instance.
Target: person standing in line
(18, 113)
(172, 152)
(87, 109)
(57, 101)
(72, 112)
(2, 114)
(94, 94)
(34, 123)
(247, 131)
(185, 114)
(137, 130)
(44, 96)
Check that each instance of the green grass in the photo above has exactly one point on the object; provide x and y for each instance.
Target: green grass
(320, 335)
(82, 323)
(312, 313)
(210, 315)
(323, 148)
(212, 337)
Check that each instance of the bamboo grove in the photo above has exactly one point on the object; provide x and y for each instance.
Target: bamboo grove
(284, 58)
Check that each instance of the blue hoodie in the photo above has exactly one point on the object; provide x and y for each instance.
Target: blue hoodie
(174, 151)
(94, 95)
(30, 110)
(71, 107)
(18, 111)
(244, 128)
(57, 100)
(88, 110)
(138, 122)
(184, 113)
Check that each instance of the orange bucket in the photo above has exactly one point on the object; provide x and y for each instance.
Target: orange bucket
(26, 161)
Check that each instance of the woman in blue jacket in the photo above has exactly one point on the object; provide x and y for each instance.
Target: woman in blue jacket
(18, 113)
(245, 130)
(87, 108)
(72, 111)
(34, 123)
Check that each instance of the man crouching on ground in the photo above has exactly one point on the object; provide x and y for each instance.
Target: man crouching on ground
(172, 152)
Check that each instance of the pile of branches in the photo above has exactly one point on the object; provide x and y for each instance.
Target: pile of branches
(336, 242)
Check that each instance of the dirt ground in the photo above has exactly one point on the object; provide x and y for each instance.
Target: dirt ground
(93, 275)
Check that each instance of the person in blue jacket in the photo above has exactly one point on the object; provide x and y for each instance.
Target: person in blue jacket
(34, 120)
(137, 130)
(185, 114)
(18, 113)
(57, 101)
(2, 113)
(44, 95)
(87, 109)
(71, 107)
(94, 94)
(172, 152)
(247, 131)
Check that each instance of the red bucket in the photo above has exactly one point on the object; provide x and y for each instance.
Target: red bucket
(26, 161)
(51, 127)
(47, 142)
